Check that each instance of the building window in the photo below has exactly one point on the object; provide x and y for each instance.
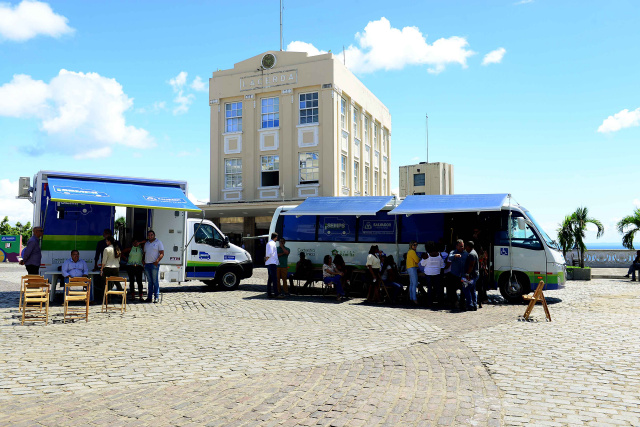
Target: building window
(384, 164)
(232, 173)
(384, 186)
(418, 179)
(309, 168)
(375, 183)
(270, 112)
(343, 171)
(356, 176)
(233, 117)
(375, 136)
(355, 123)
(270, 171)
(367, 154)
(385, 140)
(366, 179)
(343, 113)
(356, 153)
(366, 130)
(308, 108)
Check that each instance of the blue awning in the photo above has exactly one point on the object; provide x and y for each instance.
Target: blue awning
(450, 203)
(136, 195)
(340, 206)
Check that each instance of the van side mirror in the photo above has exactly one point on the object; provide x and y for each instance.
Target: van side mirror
(521, 223)
(226, 241)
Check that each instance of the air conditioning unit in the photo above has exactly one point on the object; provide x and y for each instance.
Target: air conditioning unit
(24, 187)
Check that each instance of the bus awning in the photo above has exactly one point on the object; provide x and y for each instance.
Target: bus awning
(135, 195)
(450, 203)
(368, 205)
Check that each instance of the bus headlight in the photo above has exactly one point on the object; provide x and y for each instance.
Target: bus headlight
(248, 255)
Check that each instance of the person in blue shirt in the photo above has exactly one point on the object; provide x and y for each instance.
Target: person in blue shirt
(74, 267)
(458, 260)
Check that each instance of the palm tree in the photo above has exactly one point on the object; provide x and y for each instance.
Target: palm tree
(629, 226)
(565, 235)
(579, 219)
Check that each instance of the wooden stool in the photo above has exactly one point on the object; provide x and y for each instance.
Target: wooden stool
(35, 301)
(108, 291)
(537, 296)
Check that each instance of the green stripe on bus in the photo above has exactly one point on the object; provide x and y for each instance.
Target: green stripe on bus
(64, 243)
(202, 264)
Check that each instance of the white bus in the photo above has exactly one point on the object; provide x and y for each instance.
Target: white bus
(520, 252)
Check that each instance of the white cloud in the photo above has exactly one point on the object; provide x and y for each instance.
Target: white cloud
(636, 203)
(81, 113)
(494, 57)
(196, 201)
(16, 209)
(178, 81)
(299, 46)
(198, 84)
(30, 19)
(523, 2)
(621, 120)
(382, 47)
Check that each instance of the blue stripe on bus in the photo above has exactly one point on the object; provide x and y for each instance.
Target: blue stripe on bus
(209, 274)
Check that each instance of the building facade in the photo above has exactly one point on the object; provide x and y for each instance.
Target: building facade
(426, 178)
(286, 126)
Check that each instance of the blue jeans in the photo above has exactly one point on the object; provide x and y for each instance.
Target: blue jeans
(413, 282)
(470, 293)
(272, 279)
(632, 270)
(151, 271)
(337, 283)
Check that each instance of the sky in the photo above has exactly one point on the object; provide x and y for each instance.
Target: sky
(536, 98)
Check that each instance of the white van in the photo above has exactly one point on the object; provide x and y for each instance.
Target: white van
(74, 209)
(520, 252)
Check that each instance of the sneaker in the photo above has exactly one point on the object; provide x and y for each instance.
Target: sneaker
(148, 300)
(155, 301)
(626, 275)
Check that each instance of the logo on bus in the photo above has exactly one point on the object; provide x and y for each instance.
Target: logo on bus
(504, 251)
(334, 225)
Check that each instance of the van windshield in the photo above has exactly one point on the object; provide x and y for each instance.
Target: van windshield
(548, 240)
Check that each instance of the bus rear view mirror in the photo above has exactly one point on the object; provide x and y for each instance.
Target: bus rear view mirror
(521, 223)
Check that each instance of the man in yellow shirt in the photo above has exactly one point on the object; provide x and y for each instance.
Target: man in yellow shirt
(412, 269)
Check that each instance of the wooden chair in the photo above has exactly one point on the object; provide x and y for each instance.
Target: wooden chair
(22, 282)
(77, 290)
(35, 301)
(108, 291)
(533, 299)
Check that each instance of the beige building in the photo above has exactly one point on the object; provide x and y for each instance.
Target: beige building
(426, 178)
(286, 126)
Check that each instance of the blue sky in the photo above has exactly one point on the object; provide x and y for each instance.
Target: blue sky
(121, 88)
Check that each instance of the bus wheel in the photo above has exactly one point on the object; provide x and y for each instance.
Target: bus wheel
(228, 279)
(512, 288)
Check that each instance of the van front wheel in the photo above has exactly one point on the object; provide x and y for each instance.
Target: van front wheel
(228, 279)
(512, 288)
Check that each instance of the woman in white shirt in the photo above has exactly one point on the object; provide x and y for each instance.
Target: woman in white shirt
(373, 265)
(110, 262)
(330, 274)
(433, 268)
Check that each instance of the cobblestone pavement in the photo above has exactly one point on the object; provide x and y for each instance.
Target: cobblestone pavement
(237, 358)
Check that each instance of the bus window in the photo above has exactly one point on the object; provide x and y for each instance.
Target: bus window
(336, 228)
(297, 229)
(421, 228)
(206, 234)
(526, 238)
(379, 228)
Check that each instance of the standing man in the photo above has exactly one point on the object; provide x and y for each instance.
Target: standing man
(472, 271)
(283, 267)
(153, 254)
(271, 262)
(102, 244)
(458, 259)
(32, 255)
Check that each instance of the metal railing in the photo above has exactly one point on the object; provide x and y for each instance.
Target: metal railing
(604, 258)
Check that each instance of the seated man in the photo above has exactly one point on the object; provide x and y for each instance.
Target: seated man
(304, 271)
(634, 266)
(73, 267)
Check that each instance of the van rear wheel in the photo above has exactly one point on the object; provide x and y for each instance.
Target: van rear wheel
(228, 279)
(512, 288)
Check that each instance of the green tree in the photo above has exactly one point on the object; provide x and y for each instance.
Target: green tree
(628, 227)
(579, 220)
(5, 228)
(565, 235)
(22, 230)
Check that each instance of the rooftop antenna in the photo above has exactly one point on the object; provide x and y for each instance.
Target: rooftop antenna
(280, 25)
(427, 119)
